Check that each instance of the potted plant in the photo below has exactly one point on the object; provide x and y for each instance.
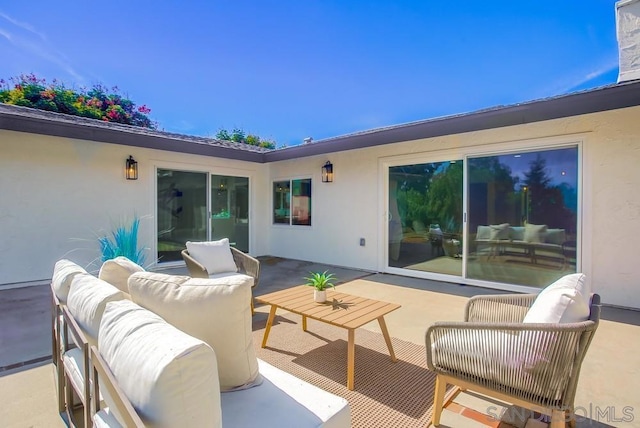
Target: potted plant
(320, 282)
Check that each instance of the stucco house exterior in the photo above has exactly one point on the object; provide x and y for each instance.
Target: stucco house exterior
(532, 190)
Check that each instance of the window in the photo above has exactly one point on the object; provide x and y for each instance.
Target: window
(292, 202)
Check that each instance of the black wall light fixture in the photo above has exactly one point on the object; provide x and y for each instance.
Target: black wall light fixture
(327, 172)
(131, 169)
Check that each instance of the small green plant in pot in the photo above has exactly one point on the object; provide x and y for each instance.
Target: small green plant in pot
(320, 282)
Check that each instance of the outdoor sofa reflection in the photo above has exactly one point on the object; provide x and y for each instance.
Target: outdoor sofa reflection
(532, 241)
(174, 351)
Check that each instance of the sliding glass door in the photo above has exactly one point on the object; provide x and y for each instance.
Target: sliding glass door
(199, 206)
(425, 217)
(506, 218)
(523, 216)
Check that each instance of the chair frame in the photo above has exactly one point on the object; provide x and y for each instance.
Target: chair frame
(102, 374)
(499, 314)
(244, 262)
(56, 343)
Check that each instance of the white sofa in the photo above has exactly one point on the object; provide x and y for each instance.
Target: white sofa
(140, 352)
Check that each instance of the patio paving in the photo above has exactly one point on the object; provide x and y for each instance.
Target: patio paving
(606, 392)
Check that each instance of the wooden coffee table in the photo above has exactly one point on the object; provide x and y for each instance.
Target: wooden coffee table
(340, 309)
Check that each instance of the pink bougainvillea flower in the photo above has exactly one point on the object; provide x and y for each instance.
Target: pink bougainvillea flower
(144, 109)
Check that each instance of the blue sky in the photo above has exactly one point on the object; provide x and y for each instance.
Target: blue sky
(287, 70)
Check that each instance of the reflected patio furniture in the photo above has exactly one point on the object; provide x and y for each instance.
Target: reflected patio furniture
(532, 365)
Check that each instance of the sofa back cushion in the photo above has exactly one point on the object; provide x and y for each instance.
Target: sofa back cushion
(63, 273)
(216, 311)
(170, 378)
(215, 256)
(484, 232)
(516, 233)
(499, 231)
(567, 300)
(555, 236)
(88, 297)
(117, 271)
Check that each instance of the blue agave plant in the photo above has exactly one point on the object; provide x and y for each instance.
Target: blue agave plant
(124, 242)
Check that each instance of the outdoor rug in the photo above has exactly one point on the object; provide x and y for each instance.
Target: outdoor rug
(386, 394)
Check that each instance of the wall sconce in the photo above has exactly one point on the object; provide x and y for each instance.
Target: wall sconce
(327, 172)
(131, 169)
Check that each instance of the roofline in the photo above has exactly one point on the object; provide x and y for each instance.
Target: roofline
(595, 100)
(604, 98)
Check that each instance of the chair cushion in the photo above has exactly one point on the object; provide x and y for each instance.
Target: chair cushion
(565, 301)
(217, 311)
(105, 419)
(88, 297)
(117, 272)
(215, 256)
(170, 378)
(63, 273)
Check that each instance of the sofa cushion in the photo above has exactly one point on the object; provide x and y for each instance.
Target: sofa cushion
(215, 256)
(169, 377)
(88, 297)
(516, 233)
(283, 400)
(117, 272)
(499, 231)
(535, 233)
(217, 311)
(63, 273)
(565, 301)
(484, 232)
(555, 236)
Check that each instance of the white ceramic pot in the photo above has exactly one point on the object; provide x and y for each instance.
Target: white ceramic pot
(320, 296)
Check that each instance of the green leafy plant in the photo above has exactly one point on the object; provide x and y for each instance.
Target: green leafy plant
(123, 242)
(320, 281)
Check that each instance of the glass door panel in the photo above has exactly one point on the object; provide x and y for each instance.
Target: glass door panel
(522, 222)
(230, 210)
(182, 208)
(425, 217)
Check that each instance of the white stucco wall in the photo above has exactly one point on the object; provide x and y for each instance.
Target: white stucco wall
(350, 207)
(57, 195)
(55, 189)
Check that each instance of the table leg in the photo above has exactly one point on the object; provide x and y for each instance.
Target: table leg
(304, 323)
(351, 359)
(272, 315)
(385, 333)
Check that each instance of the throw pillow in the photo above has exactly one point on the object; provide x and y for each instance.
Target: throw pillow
(117, 272)
(499, 231)
(535, 233)
(555, 236)
(88, 296)
(565, 301)
(170, 377)
(63, 273)
(216, 311)
(484, 232)
(215, 256)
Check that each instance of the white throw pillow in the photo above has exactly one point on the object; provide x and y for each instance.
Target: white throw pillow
(170, 378)
(535, 233)
(63, 273)
(217, 311)
(88, 297)
(215, 256)
(499, 231)
(565, 301)
(117, 272)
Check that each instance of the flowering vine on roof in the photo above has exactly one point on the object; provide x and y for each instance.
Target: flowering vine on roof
(97, 103)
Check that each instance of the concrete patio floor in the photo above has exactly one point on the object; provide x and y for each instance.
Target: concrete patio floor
(606, 391)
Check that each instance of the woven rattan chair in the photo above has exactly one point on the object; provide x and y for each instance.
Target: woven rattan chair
(245, 263)
(535, 366)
